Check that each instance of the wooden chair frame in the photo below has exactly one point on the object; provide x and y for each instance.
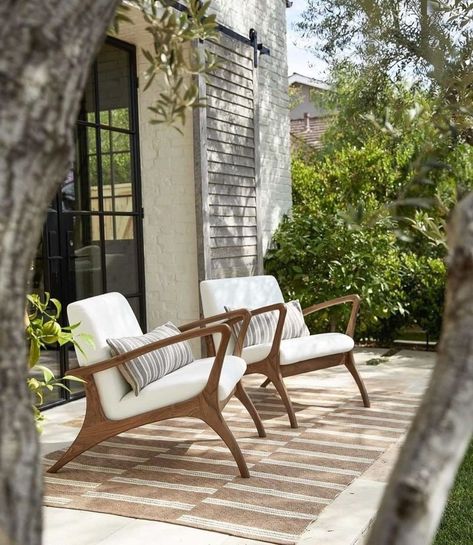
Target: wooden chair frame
(205, 406)
(275, 372)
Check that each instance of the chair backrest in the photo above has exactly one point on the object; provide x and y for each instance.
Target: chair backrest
(102, 317)
(243, 292)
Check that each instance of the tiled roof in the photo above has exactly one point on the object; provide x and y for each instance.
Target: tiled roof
(309, 130)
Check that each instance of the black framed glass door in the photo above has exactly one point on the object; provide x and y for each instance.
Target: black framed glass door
(92, 241)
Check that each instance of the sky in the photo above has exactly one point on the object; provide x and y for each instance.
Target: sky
(299, 59)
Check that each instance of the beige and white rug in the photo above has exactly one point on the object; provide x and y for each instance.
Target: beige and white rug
(179, 471)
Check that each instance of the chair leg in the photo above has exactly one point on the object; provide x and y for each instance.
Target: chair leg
(278, 382)
(80, 445)
(265, 383)
(350, 365)
(240, 393)
(214, 418)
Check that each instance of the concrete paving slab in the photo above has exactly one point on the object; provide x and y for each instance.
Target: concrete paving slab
(72, 527)
(137, 532)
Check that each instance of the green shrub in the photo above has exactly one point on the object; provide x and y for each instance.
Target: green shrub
(360, 222)
(316, 258)
(423, 285)
(369, 174)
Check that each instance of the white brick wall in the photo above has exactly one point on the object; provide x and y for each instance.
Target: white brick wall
(167, 163)
(167, 177)
(268, 18)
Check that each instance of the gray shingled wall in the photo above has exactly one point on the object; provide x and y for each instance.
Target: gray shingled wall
(236, 256)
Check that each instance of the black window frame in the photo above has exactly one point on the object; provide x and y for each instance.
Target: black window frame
(136, 213)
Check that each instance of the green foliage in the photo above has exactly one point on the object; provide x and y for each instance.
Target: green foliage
(172, 55)
(401, 122)
(368, 216)
(428, 43)
(318, 257)
(423, 286)
(43, 330)
(396, 158)
(347, 174)
(426, 39)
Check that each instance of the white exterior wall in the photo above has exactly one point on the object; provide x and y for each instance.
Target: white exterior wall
(305, 105)
(268, 18)
(167, 163)
(168, 193)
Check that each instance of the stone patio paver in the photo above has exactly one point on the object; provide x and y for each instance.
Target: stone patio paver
(344, 522)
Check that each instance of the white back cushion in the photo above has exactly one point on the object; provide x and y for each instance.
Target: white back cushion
(102, 317)
(245, 292)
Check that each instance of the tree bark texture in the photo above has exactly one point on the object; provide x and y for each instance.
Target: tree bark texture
(47, 47)
(436, 443)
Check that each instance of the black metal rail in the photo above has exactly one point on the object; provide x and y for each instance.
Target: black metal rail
(251, 40)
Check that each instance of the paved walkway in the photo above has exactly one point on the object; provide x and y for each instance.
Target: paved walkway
(344, 522)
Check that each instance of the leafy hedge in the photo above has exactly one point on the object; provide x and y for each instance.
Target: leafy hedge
(345, 234)
(316, 258)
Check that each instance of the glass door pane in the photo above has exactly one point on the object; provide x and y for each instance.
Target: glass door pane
(84, 253)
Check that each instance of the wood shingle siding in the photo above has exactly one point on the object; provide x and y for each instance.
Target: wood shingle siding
(228, 159)
(232, 152)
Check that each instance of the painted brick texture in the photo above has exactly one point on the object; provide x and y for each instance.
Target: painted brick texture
(167, 175)
(167, 163)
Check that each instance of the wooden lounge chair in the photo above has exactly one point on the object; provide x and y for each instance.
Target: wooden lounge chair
(200, 389)
(282, 358)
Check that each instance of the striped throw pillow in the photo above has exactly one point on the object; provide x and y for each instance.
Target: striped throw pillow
(262, 327)
(294, 324)
(145, 369)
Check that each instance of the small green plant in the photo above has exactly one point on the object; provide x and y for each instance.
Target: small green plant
(42, 330)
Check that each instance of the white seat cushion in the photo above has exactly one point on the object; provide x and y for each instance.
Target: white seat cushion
(302, 348)
(315, 346)
(257, 352)
(178, 386)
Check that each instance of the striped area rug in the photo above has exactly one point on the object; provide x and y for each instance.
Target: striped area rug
(179, 471)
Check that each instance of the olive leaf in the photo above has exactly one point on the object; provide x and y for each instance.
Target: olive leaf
(173, 56)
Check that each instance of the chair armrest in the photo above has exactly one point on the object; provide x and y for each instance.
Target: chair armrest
(89, 370)
(353, 299)
(226, 318)
(281, 308)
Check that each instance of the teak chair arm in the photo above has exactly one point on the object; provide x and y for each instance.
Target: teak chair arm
(223, 329)
(281, 308)
(227, 318)
(353, 299)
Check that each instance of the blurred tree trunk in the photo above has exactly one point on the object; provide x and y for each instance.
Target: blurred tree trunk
(47, 47)
(415, 497)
